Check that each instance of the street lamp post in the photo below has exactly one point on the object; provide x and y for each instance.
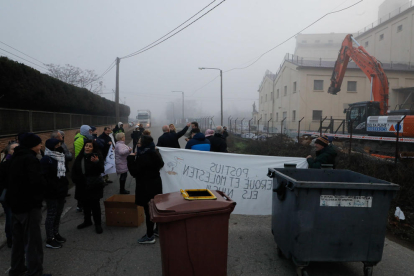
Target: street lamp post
(182, 105)
(221, 89)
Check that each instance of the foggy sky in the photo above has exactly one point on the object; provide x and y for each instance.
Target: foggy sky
(91, 34)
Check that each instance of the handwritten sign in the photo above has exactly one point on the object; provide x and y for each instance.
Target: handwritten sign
(243, 178)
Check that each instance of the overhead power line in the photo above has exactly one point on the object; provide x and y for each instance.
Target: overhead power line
(24, 59)
(257, 59)
(146, 48)
(22, 53)
(313, 23)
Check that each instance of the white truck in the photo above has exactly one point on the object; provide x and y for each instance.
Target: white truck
(144, 118)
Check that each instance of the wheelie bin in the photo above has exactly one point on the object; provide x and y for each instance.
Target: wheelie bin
(193, 231)
(329, 216)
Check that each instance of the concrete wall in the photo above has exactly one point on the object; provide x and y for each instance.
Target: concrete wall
(325, 46)
(389, 44)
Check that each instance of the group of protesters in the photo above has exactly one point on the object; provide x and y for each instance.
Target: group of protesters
(29, 176)
(211, 140)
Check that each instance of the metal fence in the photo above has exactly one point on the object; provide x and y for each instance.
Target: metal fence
(13, 121)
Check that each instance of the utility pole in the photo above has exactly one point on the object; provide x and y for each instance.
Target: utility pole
(118, 60)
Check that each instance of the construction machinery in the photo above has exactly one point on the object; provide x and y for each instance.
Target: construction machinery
(370, 117)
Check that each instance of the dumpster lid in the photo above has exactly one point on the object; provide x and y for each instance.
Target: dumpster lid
(330, 179)
(175, 203)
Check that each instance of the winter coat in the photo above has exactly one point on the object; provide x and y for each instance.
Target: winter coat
(225, 134)
(4, 174)
(170, 139)
(26, 183)
(78, 143)
(218, 143)
(98, 141)
(68, 154)
(198, 142)
(326, 155)
(145, 168)
(135, 135)
(107, 139)
(121, 153)
(56, 188)
(92, 169)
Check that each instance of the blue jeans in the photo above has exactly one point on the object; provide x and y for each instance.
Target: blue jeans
(8, 227)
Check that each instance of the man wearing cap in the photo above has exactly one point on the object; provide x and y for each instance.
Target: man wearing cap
(325, 154)
(24, 196)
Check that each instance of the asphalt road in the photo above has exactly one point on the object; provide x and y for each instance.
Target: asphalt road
(252, 250)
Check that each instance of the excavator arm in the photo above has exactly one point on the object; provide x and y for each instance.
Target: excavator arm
(368, 64)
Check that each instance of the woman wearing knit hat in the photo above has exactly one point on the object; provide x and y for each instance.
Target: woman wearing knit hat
(325, 154)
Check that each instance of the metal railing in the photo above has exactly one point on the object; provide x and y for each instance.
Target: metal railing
(13, 121)
(386, 17)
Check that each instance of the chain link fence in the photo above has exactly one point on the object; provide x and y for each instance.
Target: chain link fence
(13, 121)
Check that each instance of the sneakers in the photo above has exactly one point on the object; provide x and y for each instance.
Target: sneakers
(124, 192)
(79, 209)
(156, 233)
(146, 239)
(52, 243)
(59, 238)
(98, 229)
(84, 224)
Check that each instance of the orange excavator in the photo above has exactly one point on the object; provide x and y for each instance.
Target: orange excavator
(369, 117)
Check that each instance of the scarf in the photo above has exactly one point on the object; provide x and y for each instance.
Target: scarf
(60, 158)
(143, 150)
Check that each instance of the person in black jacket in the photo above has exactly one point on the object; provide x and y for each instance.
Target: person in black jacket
(170, 139)
(4, 175)
(87, 169)
(218, 142)
(108, 143)
(225, 133)
(54, 171)
(144, 166)
(135, 137)
(24, 196)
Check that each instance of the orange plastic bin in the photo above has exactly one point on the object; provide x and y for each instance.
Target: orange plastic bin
(193, 233)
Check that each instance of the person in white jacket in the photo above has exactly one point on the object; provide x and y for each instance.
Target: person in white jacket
(121, 153)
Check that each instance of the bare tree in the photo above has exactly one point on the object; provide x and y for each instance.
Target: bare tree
(76, 76)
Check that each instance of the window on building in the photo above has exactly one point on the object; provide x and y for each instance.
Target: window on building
(303, 41)
(261, 99)
(277, 94)
(285, 92)
(330, 41)
(270, 116)
(294, 86)
(399, 28)
(293, 115)
(271, 96)
(316, 115)
(381, 37)
(284, 114)
(266, 98)
(265, 119)
(277, 117)
(352, 86)
(318, 85)
(317, 41)
(366, 44)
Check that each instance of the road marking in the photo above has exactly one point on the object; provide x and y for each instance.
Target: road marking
(65, 211)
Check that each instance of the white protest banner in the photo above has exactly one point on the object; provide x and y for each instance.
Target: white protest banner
(110, 162)
(241, 177)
